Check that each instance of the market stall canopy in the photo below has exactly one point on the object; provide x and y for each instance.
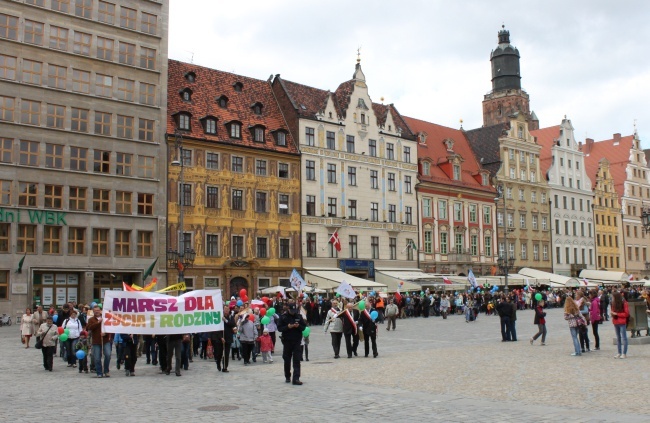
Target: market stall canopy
(277, 288)
(392, 277)
(606, 277)
(331, 279)
(556, 281)
(517, 279)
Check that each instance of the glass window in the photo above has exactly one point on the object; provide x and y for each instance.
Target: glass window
(7, 67)
(8, 27)
(123, 164)
(444, 247)
(374, 180)
(101, 198)
(311, 244)
(82, 43)
(30, 112)
(331, 141)
(26, 241)
(144, 246)
(33, 33)
(390, 151)
(123, 202)
(311, 205)
(145, 204)
(391, 181)
(442, 209)
(352, 176)
(78, 159)
(27, 194)
(310, 170)
(148, 23)
(53, 197)
(127, 17)
(147, 58)
(283, 204)
(374, 212)
(145, 129)
(284, 248)
(106, 12)
(58, 38)
(392, 213)
(145, 166)
(147, 94)
(100, 242)
(54, 156)
(331, 207)
(32, 72)
(349, 143)
(352, 244)
(237, 164)
(127, 53)
(102, 161)
(125, 126)
(6, 150)
(407, 185)
(392, 248)
(76, 241)
(310, 137)
(331, 173)
(80, 81)
(105, 48)
(283, 170)
(237, 199)
(407, 154)
(122, 243)
(372, 148)
(28, 153)
(426, 207)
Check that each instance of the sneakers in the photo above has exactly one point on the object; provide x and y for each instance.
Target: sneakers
(543, 343)
(617, 356)
(531, 341)
(623, 356)
(576, 354)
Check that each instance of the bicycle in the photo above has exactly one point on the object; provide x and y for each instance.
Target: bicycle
(5, 320)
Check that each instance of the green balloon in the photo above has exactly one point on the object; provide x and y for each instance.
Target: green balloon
(306, 332)
(338, 295)
(99, 305)
(63, 337)
(265, 320)
(66, 331)
(362, 305)
(538, 296)
(270, 312)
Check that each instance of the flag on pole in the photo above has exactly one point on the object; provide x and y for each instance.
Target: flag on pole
(411, 245)
(180, 266)
(335, 240)
(282, 293)
(20, 264)
(346, 290)
(629, 278)
(149, 271)
(297, 282)
(471, 279)
(446, 280)
(585, 281)
(527, 283)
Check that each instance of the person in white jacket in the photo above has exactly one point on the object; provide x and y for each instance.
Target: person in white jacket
(73, 324)
(337, 327)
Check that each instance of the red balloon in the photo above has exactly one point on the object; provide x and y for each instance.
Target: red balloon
(242, 293)
(251, 317)
(60, 330)
(265, 299)
(262, 311)
(244, 298)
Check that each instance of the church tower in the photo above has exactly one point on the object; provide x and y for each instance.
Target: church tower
(506, 97)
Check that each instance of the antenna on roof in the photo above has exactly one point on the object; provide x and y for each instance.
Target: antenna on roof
(634, 126)
(359, 54)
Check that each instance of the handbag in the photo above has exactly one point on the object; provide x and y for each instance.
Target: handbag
(210, 350)
(39, 340)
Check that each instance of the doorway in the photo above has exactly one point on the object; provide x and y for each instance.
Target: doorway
(237, 284)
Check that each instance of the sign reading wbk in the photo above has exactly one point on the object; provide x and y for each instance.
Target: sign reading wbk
(33, 216)
(148, 313)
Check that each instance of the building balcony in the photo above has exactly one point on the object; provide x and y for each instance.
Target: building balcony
(459, 258)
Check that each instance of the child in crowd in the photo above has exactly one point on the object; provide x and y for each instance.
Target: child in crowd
(82, 345)
(266, 346)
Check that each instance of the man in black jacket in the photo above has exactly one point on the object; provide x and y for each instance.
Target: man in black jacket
(503, 308)
(369, 331)
(350, 318)
(291, 324)
(222, 340)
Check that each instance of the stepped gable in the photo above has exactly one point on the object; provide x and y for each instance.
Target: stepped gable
(485, 145)
(435, 149)
(546, 138)
(209, 85)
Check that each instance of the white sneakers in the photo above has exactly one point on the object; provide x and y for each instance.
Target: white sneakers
(621, 356)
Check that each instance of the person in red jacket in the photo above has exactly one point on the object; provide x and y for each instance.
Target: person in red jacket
(620, 313)
(266, 346)
(540, 321)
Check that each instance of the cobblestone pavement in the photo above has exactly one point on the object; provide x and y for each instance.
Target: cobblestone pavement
(429, 369)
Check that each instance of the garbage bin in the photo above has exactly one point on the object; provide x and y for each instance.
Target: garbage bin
(638, 316)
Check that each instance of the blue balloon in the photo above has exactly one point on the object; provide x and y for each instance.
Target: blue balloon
(408, 299)
(55, 318)
(496, 288)
(93, 304)
(81, 354)
(374, 315)
(372, 293)
(240, 303)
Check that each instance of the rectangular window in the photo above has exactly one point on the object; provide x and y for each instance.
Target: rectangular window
(5, 193)
(310, 170)
(145, 129)
(7, 107)
(77, 198)
(260, 202)
(372, 148)
(54, 156)
(459, 244)
(186, 194)
(53, 197)
(212, 161)
(125, 126)
(392, 248)
(212, 245)
(331, 207)
(80, 81)
(28, 153)
(106, 12)
(535, 222)
(123, 164)
(237, 199)
(103, 85)
(103, 123)
(392, 213)
(284, 248)
(521, 195)
(457, 172)
(144, 244)
(352, 209)
(487, 215)
(127, 53)
(545, 252)
(349, 143)
(444, 242)
(536, 252)
(237, 164)
(8, 27)
(61, 5)
(145, 166)
(374, 247)
(122, 243)
(407, 154)
(101, 200)
(283, 170)
(145, 204)
(33, 33)
(262, 248)
(30, 112)
(27, 194)
(309, 137)
(473, 245)
(76, 241)
(84, 8)
(374, 180)
(544, 223)
(100, 242)
(81, 43)
(260, 167)
(55, 116)
(331, 173)
(407, 185)
(442, 209)
(147, 94)
(283, 204)
(511, 220)
(258, 134)
(352, 244)
(488, 245)
(123, 202)
(311, 244)
(428, 242)
(58, 38)
(472, 213)
(458, 212)
(524, 252)
(127, 17)
(147, 58)
(7, 67)
(102, 161)
(212, 197)
(148, 23)
(32, 72)
(408, 215)
(522, 220)
(426, 207)
(331, 140)
(26, 240)
(105, 48)
(352, 176)
(78, 159)
(311, 205)
(126, 89)
(374, 212)
(391, 181)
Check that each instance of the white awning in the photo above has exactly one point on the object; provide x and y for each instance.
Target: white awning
(331, 279)
(557, 281)
(605, 275)
(411, 279)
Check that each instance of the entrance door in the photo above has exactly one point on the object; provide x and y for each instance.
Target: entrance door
(237, 284)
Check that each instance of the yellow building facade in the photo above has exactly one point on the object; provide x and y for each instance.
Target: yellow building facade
(607, 215)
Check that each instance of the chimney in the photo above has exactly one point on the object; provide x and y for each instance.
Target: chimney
(579, 145)
(617, 138)
(588, 143)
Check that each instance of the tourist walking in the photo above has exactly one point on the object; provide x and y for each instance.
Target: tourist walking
(27, 326)
(101, 343)
(620, 312)
(72, 324)
(540, 321)
(444, 306)
(595, 317)
(369, 331)
(336, 331)
(391, 314)
(503, 309)
(576, 322)
(48, 335)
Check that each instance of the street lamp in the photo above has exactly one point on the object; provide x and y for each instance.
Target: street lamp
(185, 255)
(645, 219)
(504, 262)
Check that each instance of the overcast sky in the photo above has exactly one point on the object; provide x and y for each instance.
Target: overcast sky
(587, 59)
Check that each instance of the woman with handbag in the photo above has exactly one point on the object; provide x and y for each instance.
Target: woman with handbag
(576, 322)
(46, 341)
(620, 313)
(595, 317)
(583, 304)
(27, 326)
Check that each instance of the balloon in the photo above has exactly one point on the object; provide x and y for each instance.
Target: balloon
(361, 305)
(251, 317)
(63, 337)
(270, 312)
(240, 303)
(55, 318)
(93, 304)
(401, 283)
(373, 315)
(496, 288)
(265, 320)
(81, 354)
(262, 311)
(60, 330)
(338, 295)
(99, 305)
(525, 288)
(306, 332)
(538, 296)
(242, 292)
(421, 292)
(245, 298)
(266, 299)
(66, 331)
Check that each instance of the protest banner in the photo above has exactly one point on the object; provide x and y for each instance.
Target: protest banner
(148, 313)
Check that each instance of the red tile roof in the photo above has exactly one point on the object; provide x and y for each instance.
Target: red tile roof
(617, 155)
(435, 149)
(209, 85)
(546, 138)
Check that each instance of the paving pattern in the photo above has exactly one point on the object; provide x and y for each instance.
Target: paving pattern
(429, 369)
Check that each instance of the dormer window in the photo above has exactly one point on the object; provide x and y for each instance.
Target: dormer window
(457, 172)
(281, 138)
(184, 121)
(234, 129)
(363, 117)
(484, 179)
(257, 108)
(209, 125)
(390, 127)
(423, 137)
(330, 115)
(520, 131)
(190, 76)
(258, 133)
(426, 168)
(186, 94)
(222, 101)
(238, 86)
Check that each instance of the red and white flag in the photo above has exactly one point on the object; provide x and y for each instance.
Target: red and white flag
(585, 282)
(630, 278)
(335, 240)
(446, 280)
